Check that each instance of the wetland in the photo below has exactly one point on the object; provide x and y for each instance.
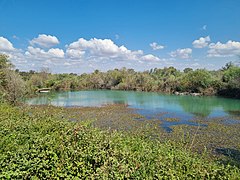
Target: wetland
(209, 124)
(169, 109)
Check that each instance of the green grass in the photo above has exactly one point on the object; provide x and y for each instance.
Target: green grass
(44, 146)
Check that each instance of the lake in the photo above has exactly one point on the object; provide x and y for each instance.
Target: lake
(149, 104)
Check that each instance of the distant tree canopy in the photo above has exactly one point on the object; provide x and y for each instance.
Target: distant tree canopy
(225, 82)
(167, 80)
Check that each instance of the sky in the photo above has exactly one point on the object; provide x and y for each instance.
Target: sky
(79, 36)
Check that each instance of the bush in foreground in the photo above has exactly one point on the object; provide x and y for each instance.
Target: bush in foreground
(41, 146)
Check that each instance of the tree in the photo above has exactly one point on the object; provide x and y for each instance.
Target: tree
(232, 76)
(4, 61)
(15, 87)
(12, 85)
(4, 64)
(186, 70)
(196, 81)
(227, 66)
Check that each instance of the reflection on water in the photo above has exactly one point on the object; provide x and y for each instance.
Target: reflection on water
(147, 104)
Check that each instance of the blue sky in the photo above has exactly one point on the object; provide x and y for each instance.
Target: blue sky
(84, 35)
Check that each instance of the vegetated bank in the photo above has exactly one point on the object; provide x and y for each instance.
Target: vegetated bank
(223, 82)
(38, 144)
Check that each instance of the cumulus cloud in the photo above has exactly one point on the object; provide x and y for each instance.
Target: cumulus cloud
(102, 49)
(40, 54)
(201, 42)
(231, 48)
(79, 56)
(5, 45)
(45, 41)
(182, 53)
(156, 46)
(15, 55)
(150, 57)
(74, 53)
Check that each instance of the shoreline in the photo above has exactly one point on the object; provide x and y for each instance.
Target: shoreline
(160, 92)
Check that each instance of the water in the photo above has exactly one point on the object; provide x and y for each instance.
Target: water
(150, 105)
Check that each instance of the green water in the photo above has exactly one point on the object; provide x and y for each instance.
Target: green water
(147, 104)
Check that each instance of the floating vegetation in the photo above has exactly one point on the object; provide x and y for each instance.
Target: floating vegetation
(235, 113)
(172, 119)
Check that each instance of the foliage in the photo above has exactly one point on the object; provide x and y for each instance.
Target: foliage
(231, 81)
(195, 81)
(12, 86)
(42, 146)
(232, 76)
(225, 82)
(4, 64)
(166, 80)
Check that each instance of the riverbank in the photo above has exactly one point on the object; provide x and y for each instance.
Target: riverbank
(50, 142)
(223, 82)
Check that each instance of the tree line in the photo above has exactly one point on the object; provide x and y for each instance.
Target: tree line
(223, 82)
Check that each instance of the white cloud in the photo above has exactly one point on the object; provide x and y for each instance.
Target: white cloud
(67, 64)
(101, 49)
(195, 65)
(80, 56)
(201, 42)
(74, 53)
(150, 57)
(40, 54)
(156, 46)
(231, 48)
(56, 52)
(182, 53)
(5, 45)
(45, 41)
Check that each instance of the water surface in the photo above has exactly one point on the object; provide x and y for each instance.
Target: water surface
(149, 104)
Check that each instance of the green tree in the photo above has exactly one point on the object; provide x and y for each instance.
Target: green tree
(12, 87)
(4, 64)
(186, 70)
(232, 76)
(196, 81)
(15, 87)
